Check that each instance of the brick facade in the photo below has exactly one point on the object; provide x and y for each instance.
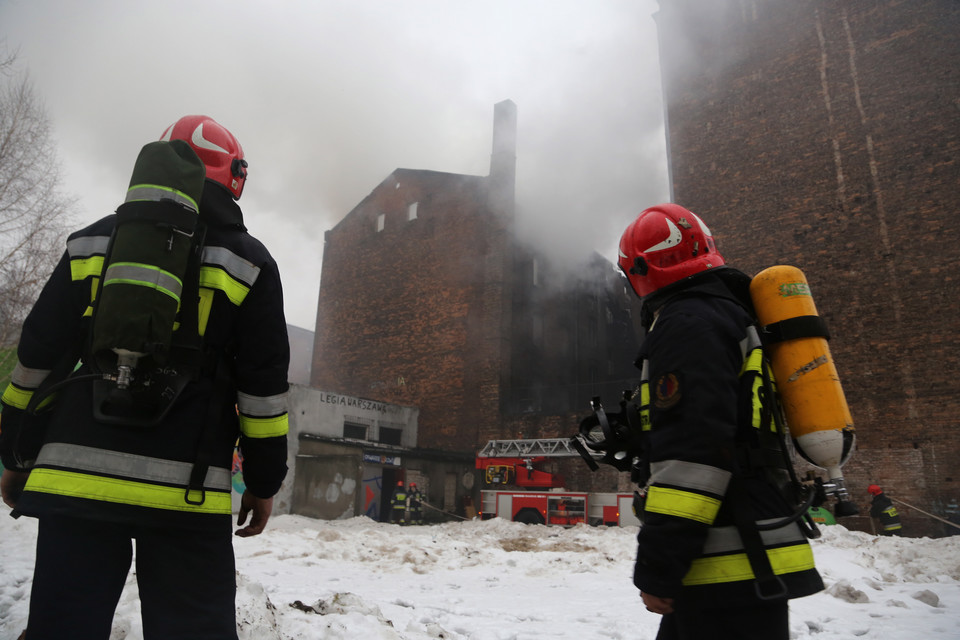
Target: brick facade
(428, 300)
(410, 314)
(826, 135)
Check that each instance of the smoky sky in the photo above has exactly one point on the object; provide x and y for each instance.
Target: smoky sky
(328, 97)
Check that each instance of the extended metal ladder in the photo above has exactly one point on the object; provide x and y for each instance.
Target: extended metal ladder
(548, 447)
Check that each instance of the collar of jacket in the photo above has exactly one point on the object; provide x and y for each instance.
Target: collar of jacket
(218, 208)
(723, 282)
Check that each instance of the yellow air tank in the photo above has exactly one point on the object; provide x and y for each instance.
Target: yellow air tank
(796, 340)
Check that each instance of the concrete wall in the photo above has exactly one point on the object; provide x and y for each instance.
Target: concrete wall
(321, 413)
(338, 480)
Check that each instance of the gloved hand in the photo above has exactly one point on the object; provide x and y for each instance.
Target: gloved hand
(261, 508)
(613, 439)
(11, 486)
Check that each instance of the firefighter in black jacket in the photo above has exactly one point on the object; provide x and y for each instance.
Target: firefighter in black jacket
(96, 487)
(695, 562)
(882, 509)
(415, 505)
(398, 504)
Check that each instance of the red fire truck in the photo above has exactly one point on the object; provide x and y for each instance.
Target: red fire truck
(540, 497)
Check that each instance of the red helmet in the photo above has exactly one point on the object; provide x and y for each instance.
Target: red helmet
(665, 244)
(219, 150)
(874, 490)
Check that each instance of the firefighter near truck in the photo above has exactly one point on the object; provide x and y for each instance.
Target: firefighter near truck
(809, 417)
(809, 414)
(517, 488)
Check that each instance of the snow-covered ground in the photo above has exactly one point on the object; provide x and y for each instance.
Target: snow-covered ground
(498, 580)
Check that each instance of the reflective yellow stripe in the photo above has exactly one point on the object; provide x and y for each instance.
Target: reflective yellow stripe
(756, 415)
(81, 268)
(264, 427)
(683, 504)
(16, 397)
(736, 567)
(645, 406)
(94, 285)
(215, 278)
(206, 301)
(79, 485)
(752, 363)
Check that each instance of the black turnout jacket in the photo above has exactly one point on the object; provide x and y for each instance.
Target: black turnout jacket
(114, 472)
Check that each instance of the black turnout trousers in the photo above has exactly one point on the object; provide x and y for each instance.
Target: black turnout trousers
(186, 580)
(764, 621)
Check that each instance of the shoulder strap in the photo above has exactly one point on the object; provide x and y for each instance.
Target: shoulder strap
(187, 338)
(195, 493)
(767, 584)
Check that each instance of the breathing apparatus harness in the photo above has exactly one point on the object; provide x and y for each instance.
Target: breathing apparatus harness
(141, 343)
(621, 440)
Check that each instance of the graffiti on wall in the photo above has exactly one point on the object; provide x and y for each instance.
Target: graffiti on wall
(372, 489)
(236, 472)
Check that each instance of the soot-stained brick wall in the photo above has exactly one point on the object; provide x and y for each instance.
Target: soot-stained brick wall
(410, 313)
(826, 135)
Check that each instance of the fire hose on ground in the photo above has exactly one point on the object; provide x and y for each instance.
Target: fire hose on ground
(927, 513)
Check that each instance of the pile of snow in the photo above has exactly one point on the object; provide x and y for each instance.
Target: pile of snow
(497, 580)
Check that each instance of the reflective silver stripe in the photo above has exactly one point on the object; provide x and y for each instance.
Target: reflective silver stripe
(645, 371)
(27, 378)
(259, 407)
(88, 246)
(751, 342)
(156, 193)
(727, 539)
(233, 264)
(690, 475)
(144, 275)
(128, 465)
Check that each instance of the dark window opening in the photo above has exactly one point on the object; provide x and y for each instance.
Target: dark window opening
(354, 431)
(390, 436)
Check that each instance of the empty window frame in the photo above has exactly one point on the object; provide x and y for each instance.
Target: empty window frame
(354, 430)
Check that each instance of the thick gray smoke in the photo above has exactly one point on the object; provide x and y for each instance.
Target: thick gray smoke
(329, 97)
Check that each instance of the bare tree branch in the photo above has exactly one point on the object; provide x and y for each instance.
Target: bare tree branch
(34, 215)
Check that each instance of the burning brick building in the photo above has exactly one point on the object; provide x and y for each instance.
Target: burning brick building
(427, 299)
(827, 135)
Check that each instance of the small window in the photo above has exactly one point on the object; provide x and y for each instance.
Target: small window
(380, 222)
(412, 211)
(354, 431)
(390, 436)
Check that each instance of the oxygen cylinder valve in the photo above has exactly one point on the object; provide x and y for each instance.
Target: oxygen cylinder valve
(126, 363)
(845, 506)
(835, 487)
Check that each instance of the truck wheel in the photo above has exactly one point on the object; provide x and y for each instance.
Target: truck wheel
(529, 515)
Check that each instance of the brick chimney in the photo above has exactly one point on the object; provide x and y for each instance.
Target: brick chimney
(503, 159)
